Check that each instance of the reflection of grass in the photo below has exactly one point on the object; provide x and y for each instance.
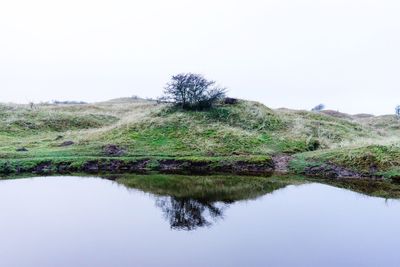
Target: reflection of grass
(210, 188)
(233, 188)
(378, 188)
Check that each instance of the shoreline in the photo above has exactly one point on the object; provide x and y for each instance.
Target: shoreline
(251, 166)
(91, 165)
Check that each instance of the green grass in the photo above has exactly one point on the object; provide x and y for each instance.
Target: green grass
(145, 128)
(21, 121)
(374, 159)
(247, 128)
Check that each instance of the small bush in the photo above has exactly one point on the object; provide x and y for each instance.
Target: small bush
(193, 92)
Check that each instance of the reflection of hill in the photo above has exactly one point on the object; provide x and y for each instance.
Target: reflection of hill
(375, 188)
(190, 202)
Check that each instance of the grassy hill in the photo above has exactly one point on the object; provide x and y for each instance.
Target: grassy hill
(246, 131)
(376, 155)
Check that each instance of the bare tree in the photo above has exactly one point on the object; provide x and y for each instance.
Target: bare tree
(189, 214)
(193, 91)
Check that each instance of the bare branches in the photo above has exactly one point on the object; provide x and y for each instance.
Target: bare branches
(192, 91)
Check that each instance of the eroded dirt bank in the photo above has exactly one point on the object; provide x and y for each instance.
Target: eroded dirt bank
(279, 164)
(115, 165)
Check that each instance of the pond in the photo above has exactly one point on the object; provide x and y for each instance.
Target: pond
(88, 221)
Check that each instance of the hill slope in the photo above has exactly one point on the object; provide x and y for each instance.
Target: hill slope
(145, 129)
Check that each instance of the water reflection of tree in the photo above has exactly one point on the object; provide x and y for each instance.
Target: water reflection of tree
(190, 202)
(189, 214)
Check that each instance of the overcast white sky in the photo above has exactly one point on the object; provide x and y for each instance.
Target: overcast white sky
(284, 53)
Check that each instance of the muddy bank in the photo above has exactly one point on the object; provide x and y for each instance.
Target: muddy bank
(204, 167)
(331, 171)
(114, 165)
(281, 163)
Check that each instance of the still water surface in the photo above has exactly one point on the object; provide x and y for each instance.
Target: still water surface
(73, 221)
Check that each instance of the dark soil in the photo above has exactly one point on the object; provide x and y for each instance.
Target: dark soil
(67, 143)
(113, 165)
(281, 163)
(113, 150)
(333, 171)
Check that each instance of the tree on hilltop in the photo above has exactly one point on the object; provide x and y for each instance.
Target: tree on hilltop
(193, 91)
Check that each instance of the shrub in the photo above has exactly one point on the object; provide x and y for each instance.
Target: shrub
(193, 91)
